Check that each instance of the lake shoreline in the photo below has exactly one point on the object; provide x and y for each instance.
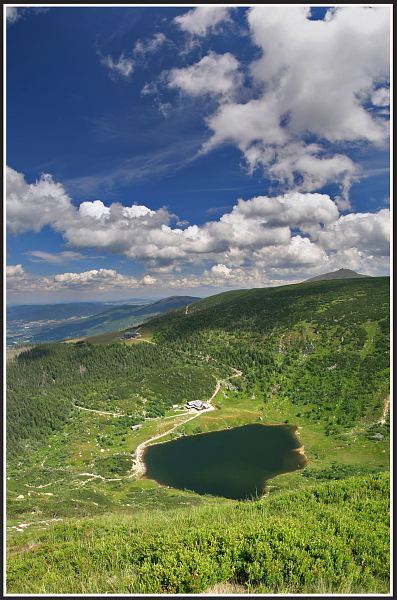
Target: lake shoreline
(252, 452)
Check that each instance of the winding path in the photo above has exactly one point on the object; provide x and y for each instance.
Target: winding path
(99, 412)
(139, 468)
(386, 409)
(94, 476)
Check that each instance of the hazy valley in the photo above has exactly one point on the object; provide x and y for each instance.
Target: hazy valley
(56, 322)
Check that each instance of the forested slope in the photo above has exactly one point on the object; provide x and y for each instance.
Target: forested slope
(324, 345)
(45, 382)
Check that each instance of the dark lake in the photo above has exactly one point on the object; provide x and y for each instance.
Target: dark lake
(233, 463)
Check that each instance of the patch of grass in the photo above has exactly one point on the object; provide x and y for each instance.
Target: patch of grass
(294, 542)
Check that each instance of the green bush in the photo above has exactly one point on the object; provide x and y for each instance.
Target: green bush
(290, 542)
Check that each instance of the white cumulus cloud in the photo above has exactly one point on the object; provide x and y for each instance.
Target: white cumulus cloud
(213, 74)
(314, 77)
(100, 279)
(268, 237)
(367, 232)
(32, 206)
(381, 97)
(149, 280)
(203, 19)
(221, 271)
(15, 271)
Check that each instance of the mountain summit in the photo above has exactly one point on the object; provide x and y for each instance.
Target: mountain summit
(339, 274)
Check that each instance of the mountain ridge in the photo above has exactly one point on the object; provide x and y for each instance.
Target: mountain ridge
(338, 274)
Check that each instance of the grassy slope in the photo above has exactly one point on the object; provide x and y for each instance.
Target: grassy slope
(227, 323)
(276, 305)
(329, 539)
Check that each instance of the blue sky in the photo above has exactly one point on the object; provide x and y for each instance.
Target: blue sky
(184, 112)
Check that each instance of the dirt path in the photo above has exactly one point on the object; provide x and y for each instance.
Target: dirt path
(139, 468)
(386, 409)
(175, 416)
(237, 373)
(94, 476)
(39, 487)
(99, 412)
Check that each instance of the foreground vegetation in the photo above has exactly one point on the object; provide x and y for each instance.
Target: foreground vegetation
(314, 355)
(329, 539)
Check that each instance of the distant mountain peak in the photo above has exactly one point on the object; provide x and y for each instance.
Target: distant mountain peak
(338, 274)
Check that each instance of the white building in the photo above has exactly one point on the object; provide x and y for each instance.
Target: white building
(197, 404)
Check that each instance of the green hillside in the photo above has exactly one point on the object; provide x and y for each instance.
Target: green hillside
(315, 355)
(323, 346)
(331, 539)
(46, 382)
